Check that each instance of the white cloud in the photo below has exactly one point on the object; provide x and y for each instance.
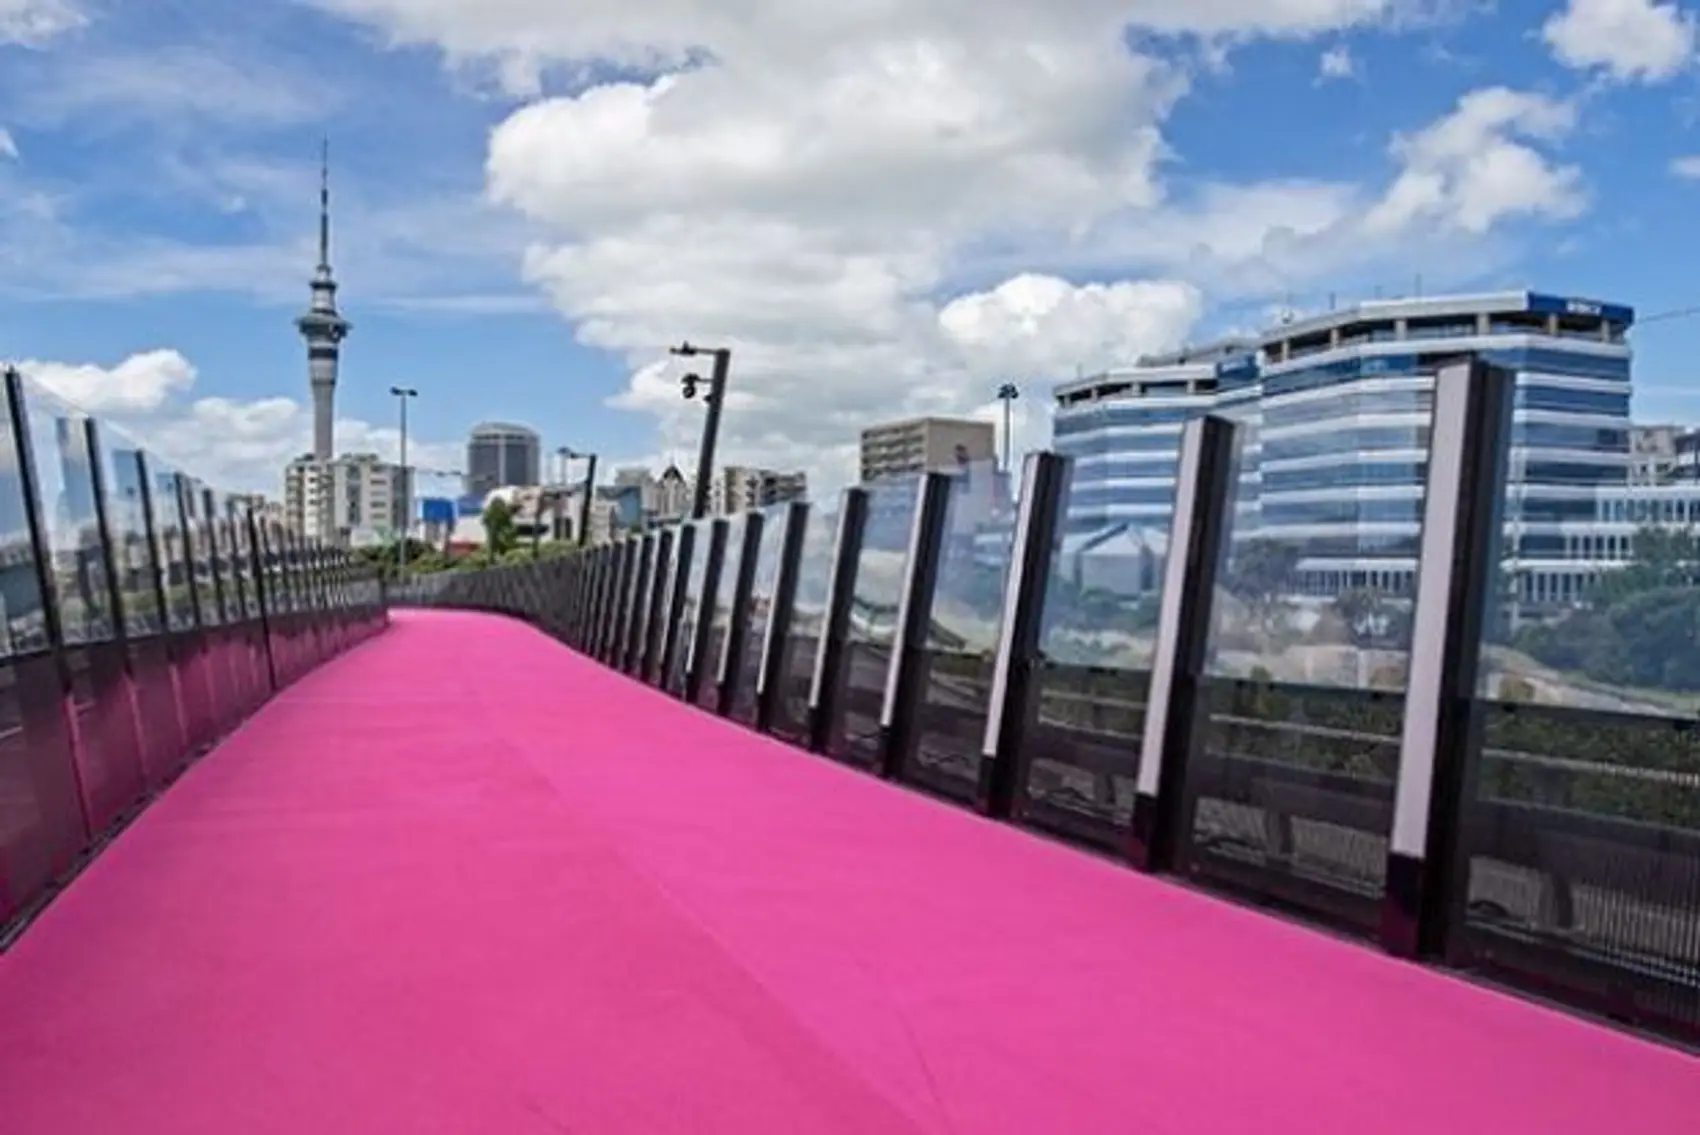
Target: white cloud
(1336, 63)
(139, 384)
(812, 184)
(234, 444)
(8, 144)
(1480, 165)
(1687, 167)
(31, 23)
(1627, 39)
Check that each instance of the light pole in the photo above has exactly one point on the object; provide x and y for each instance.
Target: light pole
(402, 394)
(1007, 394)
(712, 398)
(566, 455)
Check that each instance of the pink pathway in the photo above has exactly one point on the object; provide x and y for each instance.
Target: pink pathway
(464, 881)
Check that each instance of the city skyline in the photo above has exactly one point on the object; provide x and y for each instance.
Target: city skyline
(1466, 152)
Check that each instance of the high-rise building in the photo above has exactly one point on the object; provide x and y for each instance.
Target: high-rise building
(1336, 412)
(324, 328)
(925, 445)
(502, 455)
(355, 499)
(740, 488)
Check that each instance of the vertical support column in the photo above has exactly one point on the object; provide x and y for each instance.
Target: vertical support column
(738, 615)
(826, 686)
(617, 579)
(259, 557)
(1197, 535)
(685, 547)
(776, 636)
(655, 626)
(637, 613)
(606, 588)
(1014, 693)
(590, 601)
(1440, 744)
(697, 662)
(906, 673)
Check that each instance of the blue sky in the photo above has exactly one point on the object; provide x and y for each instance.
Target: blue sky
(885, 207)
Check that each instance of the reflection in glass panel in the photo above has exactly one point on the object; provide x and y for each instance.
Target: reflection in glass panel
(722, 609)
(70, 522)
(873, 617)
(242, 557)
(1096, 641)
(200, 549)
(132, 551)
(686, 639)
(962, 638)
(808, 617)
(1289, 795)
(23, 629)
(172, 544)
(761, 605)
(1583, 832)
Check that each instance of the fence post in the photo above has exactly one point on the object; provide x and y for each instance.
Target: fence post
(1014, 693)
(1197, 538)
(1440, 744)
(654, 626)
(776, 635)
(684, 548)
(826, 686)
(906, 674)
(696, 663)
(738, 614)
(637, 607)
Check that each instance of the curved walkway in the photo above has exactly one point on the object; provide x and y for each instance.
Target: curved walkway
(462, 880)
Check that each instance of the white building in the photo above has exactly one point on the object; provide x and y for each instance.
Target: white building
(663, 499)
(740, 488)
(355, 499)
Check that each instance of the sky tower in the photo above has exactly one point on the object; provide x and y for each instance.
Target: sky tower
(322, 326)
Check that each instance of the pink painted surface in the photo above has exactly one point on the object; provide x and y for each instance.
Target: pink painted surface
(463, 881)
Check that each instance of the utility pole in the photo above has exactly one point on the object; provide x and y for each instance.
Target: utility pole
(402, 394)
(713, 398)
(567, 455)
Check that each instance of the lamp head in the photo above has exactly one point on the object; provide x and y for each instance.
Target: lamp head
(684, 351)
(688, 385)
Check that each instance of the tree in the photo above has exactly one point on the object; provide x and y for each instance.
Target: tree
(500, 533)
(1261, 571)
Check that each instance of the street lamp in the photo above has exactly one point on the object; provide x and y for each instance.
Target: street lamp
(402, 394)
(712, 398)
(567, 454)
(1007, 394)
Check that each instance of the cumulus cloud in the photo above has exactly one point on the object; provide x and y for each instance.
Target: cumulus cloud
(235, 444)
(1482, 164)
(1627, 39)
(138, 384)
(31, 23)
(887, 206)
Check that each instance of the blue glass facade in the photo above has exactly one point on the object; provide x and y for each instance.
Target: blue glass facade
(1336, 413)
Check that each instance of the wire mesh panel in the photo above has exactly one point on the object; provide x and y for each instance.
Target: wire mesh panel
(855, 735)
(962, 635)
(1582, 836)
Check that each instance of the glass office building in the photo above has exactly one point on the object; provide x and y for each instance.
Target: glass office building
(1336, 409)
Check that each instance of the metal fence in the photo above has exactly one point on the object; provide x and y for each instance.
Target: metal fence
(1391, 762)
(143, 615)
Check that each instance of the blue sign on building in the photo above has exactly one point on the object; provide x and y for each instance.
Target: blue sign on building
(437, 510)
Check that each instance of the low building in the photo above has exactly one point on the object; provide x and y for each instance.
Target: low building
(925, 445)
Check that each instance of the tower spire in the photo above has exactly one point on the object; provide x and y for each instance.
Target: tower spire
(325, 206)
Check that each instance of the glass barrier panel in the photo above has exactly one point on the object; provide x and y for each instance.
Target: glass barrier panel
(201, 547)
(692, 608)
(873, 618)
(722, 610)
(761, 606)
(1289, 794)
(70, 524)
(1583, 831)
(171, 545)
(133, 550)
(808, 617)
(1097, 636)
(962, 638)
